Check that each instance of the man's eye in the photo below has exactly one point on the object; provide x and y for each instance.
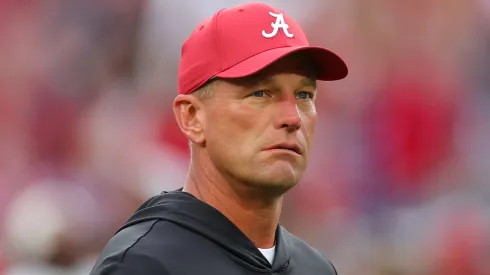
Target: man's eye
(304, 95)
(261, 93)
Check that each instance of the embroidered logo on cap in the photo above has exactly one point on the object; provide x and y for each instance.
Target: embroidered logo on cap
(277, 25)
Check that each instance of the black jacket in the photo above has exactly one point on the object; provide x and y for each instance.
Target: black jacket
(177, 234)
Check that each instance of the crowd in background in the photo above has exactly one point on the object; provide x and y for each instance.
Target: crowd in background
(398, 182)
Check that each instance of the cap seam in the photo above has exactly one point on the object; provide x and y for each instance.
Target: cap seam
(216, 45)
(218, 42)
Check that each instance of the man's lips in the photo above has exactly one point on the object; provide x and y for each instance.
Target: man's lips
(286, 146)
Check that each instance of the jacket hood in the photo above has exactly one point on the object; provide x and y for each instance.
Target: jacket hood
(186, 211)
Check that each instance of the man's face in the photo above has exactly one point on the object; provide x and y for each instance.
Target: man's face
(258, 130)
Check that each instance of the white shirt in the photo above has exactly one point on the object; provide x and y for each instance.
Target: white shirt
(269, 253)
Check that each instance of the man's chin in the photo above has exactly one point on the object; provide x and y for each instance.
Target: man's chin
(276, 186)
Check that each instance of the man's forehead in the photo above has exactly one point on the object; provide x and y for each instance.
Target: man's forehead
(295, 64)
(299, 63)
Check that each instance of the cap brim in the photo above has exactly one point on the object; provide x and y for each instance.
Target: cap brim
(329, 66)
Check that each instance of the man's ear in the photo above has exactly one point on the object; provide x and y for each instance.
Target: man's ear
(189, 114)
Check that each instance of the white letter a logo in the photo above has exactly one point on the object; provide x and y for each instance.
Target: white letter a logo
(276, 25)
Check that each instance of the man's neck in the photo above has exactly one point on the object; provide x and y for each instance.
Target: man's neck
(257, 219)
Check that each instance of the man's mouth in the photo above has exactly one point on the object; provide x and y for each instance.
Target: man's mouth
(287, 146)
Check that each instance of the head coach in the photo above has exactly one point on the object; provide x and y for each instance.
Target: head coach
(246, 102)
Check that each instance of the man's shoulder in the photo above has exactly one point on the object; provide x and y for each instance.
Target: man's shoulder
(305, 254)
(133, 262)
(133, 250)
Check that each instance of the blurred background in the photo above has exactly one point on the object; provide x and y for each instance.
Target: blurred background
(398, 181)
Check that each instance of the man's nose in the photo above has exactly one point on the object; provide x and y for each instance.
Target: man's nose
(288, 116)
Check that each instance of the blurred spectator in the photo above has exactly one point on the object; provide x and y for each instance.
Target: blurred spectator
(412, 127)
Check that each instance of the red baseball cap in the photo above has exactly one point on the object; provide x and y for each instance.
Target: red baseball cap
(243, 40)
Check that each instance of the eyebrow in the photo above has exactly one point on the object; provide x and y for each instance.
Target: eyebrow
(305, 82)
(308, 82)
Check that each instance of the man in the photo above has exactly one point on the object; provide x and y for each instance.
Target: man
(246, 102)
